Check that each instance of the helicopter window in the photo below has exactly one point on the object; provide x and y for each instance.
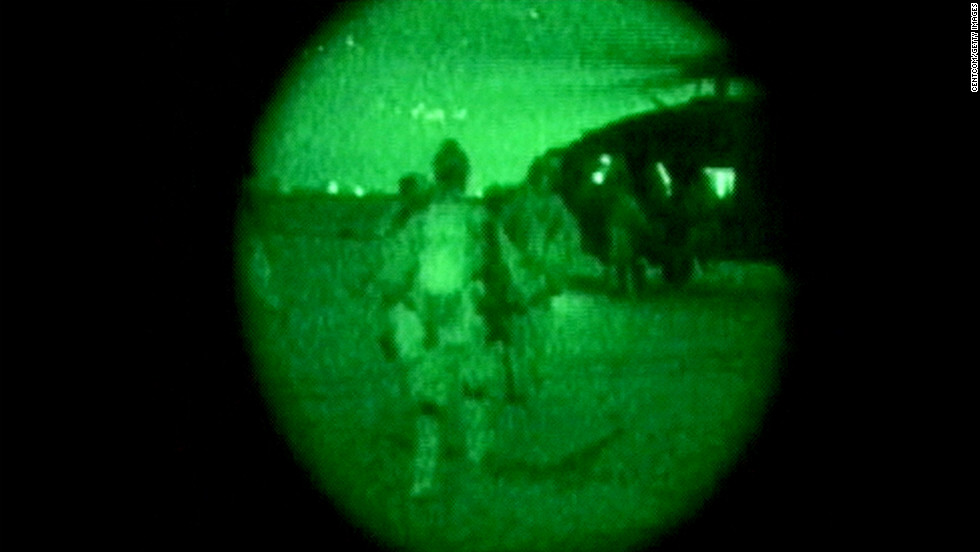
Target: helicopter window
(664, 177)
(722, 180)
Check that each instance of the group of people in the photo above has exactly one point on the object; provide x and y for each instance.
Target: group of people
(651, 217)
(462, 284)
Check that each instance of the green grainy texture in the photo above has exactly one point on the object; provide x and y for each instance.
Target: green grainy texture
(372, 97)
(722, 181)
(643, 405)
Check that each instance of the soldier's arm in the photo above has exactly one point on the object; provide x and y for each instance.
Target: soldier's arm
(399, 263)
(564, 245)
(569, 228)
(528, 282)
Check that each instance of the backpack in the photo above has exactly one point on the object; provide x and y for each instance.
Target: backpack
(450, 247)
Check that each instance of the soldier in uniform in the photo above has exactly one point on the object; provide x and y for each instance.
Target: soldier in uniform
(627, 226)
(432, 279)
(256, 264)
(684, 207)
(414, 193)
(539, 242)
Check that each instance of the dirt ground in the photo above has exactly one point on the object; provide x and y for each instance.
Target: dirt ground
(643, 405)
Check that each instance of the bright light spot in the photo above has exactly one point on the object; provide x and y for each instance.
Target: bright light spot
(333, 187)
(664, 177)
(359, 191)
(598, 178)
(662, 171)
(721, 180)
(435, 115)
(605, 159)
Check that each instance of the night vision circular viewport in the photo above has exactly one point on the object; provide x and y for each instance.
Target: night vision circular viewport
(507, 274)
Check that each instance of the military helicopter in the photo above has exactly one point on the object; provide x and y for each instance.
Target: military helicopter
(681, 169)
(694, 171)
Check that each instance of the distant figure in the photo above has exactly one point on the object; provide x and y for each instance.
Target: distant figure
(685, 209)
(539, 244)
(451, 167)
(629, 230)
(703, 208)
(414, 193)
(254, 256)
(259, 272)
(432, 282)
(683, 213)
(539, 224)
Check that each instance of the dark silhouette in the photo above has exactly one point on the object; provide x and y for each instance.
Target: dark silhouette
(669, 222)
(533, 242)
(432, 281)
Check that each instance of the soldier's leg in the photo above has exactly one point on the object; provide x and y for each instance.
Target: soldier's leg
(621, 259)
(537, 347)
(427, 450)
(409, 336)
(477, 427)
(531, 345)
(626, 284)
(481, 367)
(430, 389)
(516, 358)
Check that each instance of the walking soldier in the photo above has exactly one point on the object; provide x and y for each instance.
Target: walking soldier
(432, 278)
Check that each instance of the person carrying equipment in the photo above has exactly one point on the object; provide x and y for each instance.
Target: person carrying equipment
(432, 281)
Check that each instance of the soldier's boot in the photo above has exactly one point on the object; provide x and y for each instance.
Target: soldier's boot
(426, 456)
(478, 428)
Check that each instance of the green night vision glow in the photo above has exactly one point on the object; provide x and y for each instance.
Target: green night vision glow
(627, 413)
(722, 180)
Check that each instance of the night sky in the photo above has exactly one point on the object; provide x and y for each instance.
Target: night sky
(369, 99)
